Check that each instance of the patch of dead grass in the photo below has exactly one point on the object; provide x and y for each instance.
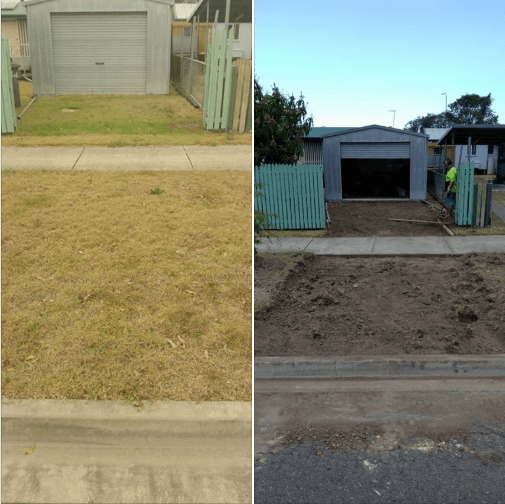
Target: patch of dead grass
(101, 278)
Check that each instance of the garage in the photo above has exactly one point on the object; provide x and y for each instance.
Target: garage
(374, 162)
(100, 46)
(99, 53)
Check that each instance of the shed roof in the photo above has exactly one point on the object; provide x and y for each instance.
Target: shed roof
(375, 126)
(483, 134)
(12, 9)
(240, 11)
(28, 3)
(318, 132)
(183, 11)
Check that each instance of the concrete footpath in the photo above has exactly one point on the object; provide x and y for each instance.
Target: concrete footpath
(189, 157)
(100, 451)
(390, 245)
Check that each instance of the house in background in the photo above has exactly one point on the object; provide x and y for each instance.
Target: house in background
(483, 156)
(436, 153)
(14, 27)
(239, 17)
(181, 30)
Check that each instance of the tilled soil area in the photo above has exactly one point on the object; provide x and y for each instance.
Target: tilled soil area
(334, 306)
(370, 218)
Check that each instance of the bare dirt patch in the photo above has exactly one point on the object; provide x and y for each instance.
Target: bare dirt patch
(334, 306)
(370, 218)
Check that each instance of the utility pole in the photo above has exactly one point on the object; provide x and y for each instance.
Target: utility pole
(394, 115)
(445, 109)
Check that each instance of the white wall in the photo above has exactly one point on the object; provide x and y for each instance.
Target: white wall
(242, 48)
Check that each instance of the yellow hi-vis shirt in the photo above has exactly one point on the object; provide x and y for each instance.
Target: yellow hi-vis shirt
(452, 174)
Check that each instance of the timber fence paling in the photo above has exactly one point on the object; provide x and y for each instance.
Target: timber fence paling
(294, 193)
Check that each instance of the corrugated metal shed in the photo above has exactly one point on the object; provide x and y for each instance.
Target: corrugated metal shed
(375, 162)
(100, 46)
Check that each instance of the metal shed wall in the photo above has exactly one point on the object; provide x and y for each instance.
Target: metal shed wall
(375, 134)
(159, 19)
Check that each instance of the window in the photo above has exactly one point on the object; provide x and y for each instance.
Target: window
(187, 32)
(235, 27)
(490, 149)
(474, 150)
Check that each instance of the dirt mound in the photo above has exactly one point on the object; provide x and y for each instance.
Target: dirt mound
(334, 306)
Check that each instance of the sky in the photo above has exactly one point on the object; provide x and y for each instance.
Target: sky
(354, 61)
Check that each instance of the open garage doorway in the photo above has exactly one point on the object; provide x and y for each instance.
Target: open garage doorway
(375, 178)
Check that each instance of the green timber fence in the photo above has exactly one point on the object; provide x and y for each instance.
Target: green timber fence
(292, 196)
(218, 82)
(9, 122)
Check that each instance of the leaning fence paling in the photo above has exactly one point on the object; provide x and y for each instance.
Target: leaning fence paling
(473, 196)
(292, 196)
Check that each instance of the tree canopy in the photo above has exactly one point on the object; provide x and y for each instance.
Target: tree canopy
(280, 122)
(469, 109)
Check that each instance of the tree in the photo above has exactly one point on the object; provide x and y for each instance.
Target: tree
(419, 124)
(279, 125)
(469, 109)
(473, 109)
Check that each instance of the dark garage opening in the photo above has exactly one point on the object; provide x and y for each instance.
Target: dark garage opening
(375, 178)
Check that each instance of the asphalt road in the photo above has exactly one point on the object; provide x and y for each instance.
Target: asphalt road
(453, 472)
(375, 441)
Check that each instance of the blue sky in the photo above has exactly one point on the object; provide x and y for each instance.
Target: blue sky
(355, 60)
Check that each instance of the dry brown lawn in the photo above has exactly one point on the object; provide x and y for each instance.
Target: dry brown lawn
(112, 292)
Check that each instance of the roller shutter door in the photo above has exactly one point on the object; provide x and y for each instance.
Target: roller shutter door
(99, 52)
(377, 150)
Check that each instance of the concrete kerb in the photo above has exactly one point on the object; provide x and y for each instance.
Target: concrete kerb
(380, 366)
(111, 451)
(114, 419)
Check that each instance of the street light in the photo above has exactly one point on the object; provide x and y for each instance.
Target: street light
(445, 109)
(394, 115)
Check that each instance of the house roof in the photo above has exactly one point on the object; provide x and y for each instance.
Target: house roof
(434, 133)
(375, 126)
(12, 9)
(483, 134)
(240, 11)
(183, 11)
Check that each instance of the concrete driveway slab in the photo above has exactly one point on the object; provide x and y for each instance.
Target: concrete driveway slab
(100, 451)
(274, 245)
(133, 159)
(411, 245)
(232, 157)
(341, 246)
(40, 158)
(478, 244)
